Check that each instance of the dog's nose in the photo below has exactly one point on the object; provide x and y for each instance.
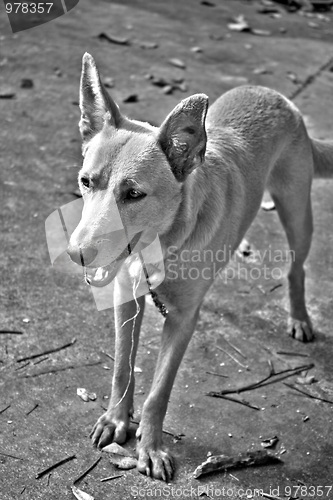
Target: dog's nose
(82, 255)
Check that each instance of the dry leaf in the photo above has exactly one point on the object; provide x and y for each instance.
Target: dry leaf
(269, 442)
(239, 24)
(117, 450)
(177, 62)
(114, 39)
(81, 495)
(308, 380)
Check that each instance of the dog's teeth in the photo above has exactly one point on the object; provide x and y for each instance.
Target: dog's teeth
(99, 274)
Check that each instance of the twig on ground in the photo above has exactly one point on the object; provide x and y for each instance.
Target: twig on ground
(229, 398)
(48, 351)
(110, 478)
(10, 456)
(235, 349)
(11, 332)
(233, 358)
(22, 366)
(108, 355)
(4, 409)
(287, 353)
(318, 398)
(275, 287)
(34, 408)
(217, 374)
(277, 376)
(59, 369)
(40, 360)
(271, 497)
(224, 462)
(54, 466)
(86, 471)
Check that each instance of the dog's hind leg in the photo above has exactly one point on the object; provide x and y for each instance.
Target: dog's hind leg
(290, 188)
(114, 423)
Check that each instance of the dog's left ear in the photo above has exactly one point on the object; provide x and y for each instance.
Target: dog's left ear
(182, 135)
(95, 103)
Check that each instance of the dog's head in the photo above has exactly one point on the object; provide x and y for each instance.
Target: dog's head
(132, 174)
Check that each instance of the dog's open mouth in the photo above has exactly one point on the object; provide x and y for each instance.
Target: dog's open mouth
(101, 276)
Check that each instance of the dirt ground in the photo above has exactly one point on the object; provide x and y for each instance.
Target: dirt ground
(42, 420)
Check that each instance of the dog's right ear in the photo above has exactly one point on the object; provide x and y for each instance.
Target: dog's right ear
(95, 103)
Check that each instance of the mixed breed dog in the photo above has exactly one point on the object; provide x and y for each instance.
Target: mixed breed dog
(197, 181)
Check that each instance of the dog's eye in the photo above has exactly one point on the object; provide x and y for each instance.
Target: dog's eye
(85, 182)
(134, 194)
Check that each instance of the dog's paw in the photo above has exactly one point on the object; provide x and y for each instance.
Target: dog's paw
(300, 330)
(157, 463)
(108, 429)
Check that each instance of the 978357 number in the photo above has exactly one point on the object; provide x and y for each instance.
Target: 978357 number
(308, 491)
(29, 8)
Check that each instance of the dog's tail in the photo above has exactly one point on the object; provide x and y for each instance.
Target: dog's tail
(323, 158)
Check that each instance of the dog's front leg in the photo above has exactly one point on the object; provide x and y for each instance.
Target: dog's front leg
(153, 459)
(114, 423)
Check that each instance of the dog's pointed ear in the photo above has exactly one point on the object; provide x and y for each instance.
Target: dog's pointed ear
(182, 135)
(95, 103)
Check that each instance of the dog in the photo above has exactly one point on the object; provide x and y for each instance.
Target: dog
(198, 182)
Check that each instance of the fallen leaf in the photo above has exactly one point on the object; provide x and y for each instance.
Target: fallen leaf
(181, 86)
(177, 62)
(114, 39)
(293, 77)
(159, 81)
(85, 395)
(269, 442)
(118, 450)
(168, 89)
(239, 24)
(7, 94)
(81, 495)
(308, 380)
